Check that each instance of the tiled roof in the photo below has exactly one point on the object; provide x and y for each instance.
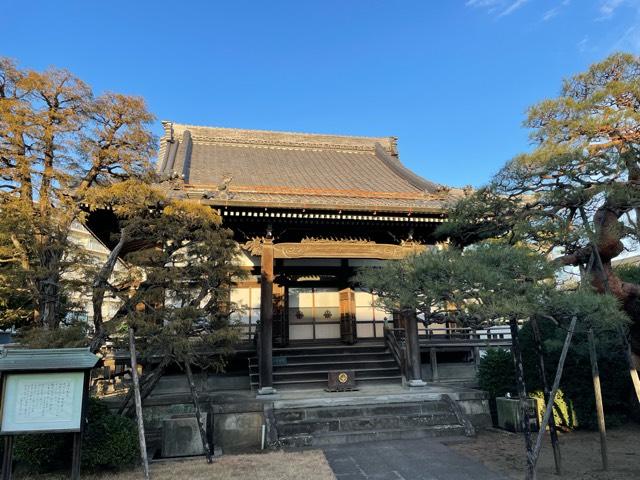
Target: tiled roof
(291, 170)
(47, 359)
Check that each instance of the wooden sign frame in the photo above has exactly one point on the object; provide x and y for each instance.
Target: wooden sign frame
(54, 362)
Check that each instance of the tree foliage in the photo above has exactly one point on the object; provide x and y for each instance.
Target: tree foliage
(576, 193)
(180, 304)
(487, 284)
(65, 155)
(58, 144)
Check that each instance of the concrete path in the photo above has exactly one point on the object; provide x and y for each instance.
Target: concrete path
(424, 459)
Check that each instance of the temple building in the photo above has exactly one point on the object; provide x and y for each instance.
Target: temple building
(307, 210)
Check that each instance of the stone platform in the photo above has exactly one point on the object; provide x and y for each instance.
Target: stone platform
(238, 416)
(314, 417)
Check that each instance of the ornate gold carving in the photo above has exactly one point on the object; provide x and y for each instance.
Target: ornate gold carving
(254, 246)
(336, 248)
(332, 240)
(339, 249)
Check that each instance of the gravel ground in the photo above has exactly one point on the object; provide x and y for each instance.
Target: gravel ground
(306, 465)
(504, 451)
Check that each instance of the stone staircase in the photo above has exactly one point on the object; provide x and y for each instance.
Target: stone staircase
(304, 366)
(335, 425)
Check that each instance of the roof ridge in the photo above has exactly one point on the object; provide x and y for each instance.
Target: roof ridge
(284, 132)
(240, 135)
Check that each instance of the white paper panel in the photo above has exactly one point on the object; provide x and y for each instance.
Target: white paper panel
(300, 298)
(364, 314)
(328, 331)
(300, 332)
(241, 296)
(255, 297)
(379, 329)
(364, 330)
(327, 297)
(363, 299)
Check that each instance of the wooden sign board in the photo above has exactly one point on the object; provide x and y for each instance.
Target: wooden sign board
(42, 402)
(341, 380)
(44, 390)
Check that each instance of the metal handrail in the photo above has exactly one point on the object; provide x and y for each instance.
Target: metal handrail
(463, 333)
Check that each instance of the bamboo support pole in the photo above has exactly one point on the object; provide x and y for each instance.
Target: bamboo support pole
(522, 397)
(138, 402)
(196, 405)
(549, 395)
(598, 394)
(548, 413)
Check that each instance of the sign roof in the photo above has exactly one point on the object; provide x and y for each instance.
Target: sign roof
(14, 359)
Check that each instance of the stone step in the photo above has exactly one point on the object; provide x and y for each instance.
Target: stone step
(289, 384)
(340, 438)
(322, 375)
(377, 423)
(332, 365)
(357, 411)
(330, 349)
(329, 357)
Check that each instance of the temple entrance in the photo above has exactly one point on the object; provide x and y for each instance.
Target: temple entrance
(314, 313)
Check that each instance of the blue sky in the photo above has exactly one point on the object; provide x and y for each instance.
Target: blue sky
(451, 79)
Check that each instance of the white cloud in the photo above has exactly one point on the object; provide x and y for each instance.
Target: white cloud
(549, 14)
(483, 3)
(501, 7)
(608, 7)
(630, 40)
(513, 7)
(582, 44)
(553, 12)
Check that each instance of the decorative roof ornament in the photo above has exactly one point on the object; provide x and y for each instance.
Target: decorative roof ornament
(173, 182)
(223, 190)
(350, 240)
(254, 246)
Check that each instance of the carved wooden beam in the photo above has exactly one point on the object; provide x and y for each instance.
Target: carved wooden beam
(318, 248)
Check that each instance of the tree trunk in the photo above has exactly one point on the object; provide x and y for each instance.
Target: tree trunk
(99, 288)
(147, 384)
(598, 394)
(138, 400)
(606, 243)
(196, 405)
(548, 398)
(522, 396)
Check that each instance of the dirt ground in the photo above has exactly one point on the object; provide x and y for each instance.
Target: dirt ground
(306, 465)
(504, 452)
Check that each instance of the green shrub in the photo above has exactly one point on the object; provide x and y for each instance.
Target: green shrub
(496, 374)
(44, 452)
(577, 384)
(110, 442)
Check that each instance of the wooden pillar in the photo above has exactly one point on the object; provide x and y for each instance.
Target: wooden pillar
(76, 455)
(348, 316)
(7, 458)
(266, 319)
(413, 348)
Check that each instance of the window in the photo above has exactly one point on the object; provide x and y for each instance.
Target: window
(246, 301)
